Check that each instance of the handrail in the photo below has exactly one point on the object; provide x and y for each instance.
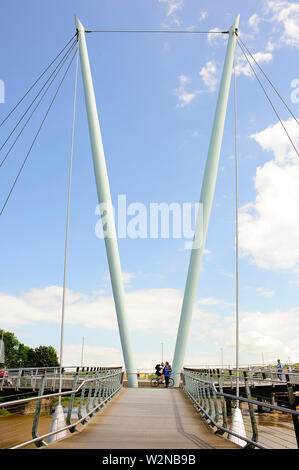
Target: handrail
(247, 400)
(200, 387)
(255, 402)
(37, 439)
(53, 395)
(103, 387)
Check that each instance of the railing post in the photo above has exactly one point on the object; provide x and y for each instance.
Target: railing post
(231, 378)
(82, 397)
(292, 402)
(251, 411)
(18, 384)
(96, 390)
(70, 408)
(205, 407)
(101, 389)
(209, 396)
(215, 401)
(199, 390)
(223, 404)
(37, 413)
(89, 394)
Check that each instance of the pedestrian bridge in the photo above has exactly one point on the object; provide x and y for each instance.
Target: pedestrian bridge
(146, 418)
(97, 410)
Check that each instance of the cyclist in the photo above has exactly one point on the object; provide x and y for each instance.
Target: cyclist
(159, 371)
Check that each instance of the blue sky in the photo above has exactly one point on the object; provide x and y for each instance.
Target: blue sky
(156, 97)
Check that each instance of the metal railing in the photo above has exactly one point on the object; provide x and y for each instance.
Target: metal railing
(92, 389)
(279, 428)
(29, 377)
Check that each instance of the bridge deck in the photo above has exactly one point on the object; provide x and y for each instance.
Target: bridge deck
(146, 418)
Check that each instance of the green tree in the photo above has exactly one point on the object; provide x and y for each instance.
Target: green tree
(11, 345)
(43, 356)
(24, 355)
(19, 355)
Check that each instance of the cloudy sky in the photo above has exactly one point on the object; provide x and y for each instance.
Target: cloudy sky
(156, 97)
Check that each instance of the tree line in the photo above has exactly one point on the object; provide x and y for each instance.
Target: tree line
(18, 355)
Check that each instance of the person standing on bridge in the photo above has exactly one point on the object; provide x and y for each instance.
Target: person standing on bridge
(3, 373)
(166, 373)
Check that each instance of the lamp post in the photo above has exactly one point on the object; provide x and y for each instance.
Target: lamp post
(221, 349)
(82, 352)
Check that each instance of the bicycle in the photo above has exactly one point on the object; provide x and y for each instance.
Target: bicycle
(157, 382)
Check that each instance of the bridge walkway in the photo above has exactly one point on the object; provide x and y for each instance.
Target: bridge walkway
(146, 418)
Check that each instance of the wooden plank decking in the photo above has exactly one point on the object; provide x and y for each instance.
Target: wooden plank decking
(146, 418)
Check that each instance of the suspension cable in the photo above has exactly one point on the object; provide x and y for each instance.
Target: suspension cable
(269, 99)
(28, 108)
(268, 79)
(61, 64)
(36, 81)
(165, 31)
(67, 226)
(35, 137)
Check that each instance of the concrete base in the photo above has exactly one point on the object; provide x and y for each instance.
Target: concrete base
(58, 422)
(237, 426)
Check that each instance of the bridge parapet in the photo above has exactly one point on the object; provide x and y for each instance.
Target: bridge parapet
(89, 390)
(207, 389)
(29, 378)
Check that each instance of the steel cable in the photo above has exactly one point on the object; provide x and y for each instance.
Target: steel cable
(67, 223)
(269, 99)
(61, 64)
(169, 31)
(268, 79)
(36, 135)
(36, 81)
(26, 111)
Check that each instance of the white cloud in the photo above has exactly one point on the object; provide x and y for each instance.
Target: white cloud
(216, 39)
(173, 6)
(183, 79)
(242, 66)
(286, 15)
(209, 76)
(93, 356)
(148, 309)
(269, 227)
(203, 15)
(209, 301)
(272, 333)
(185, 97)
(254, 21)
(126, 277)
(265, 292)
(156, 311)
